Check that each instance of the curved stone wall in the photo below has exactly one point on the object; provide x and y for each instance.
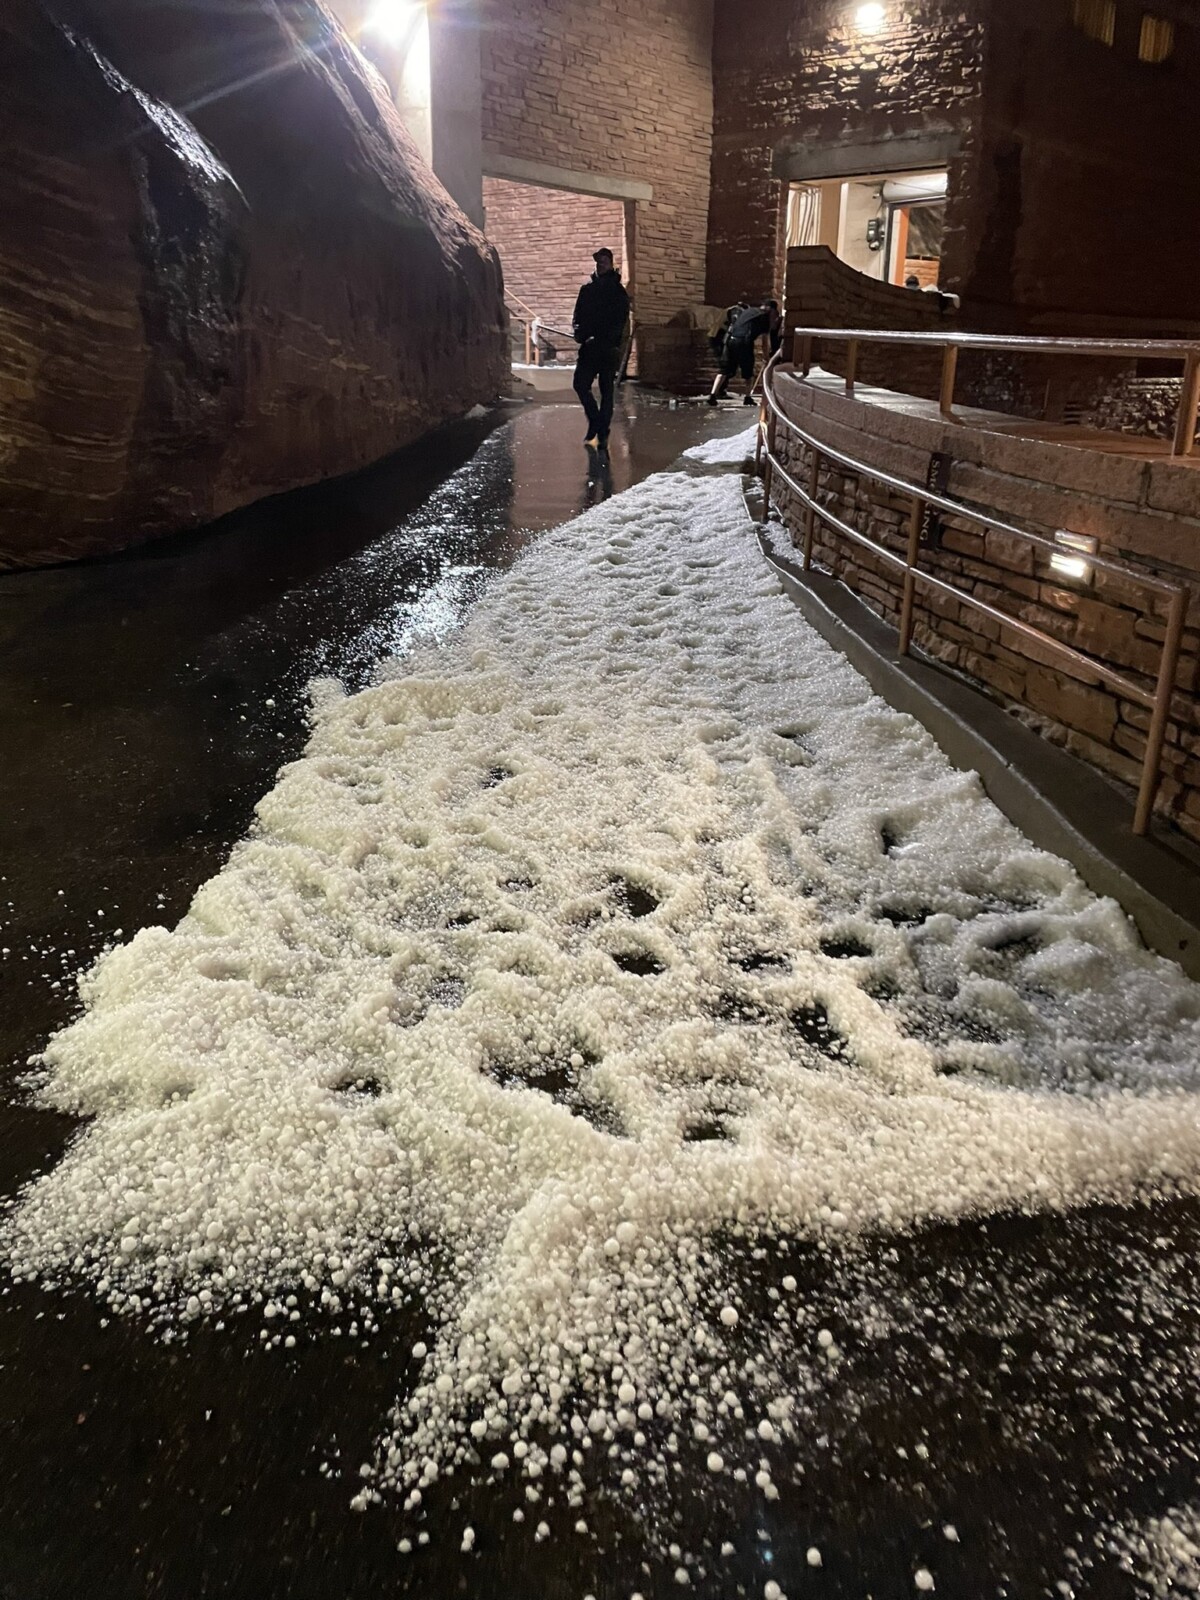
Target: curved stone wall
(1144, 511)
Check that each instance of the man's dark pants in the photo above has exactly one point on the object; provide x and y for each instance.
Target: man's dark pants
(597, 361)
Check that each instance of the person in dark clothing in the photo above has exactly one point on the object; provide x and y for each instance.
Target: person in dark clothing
(744, 331)
(601, 313)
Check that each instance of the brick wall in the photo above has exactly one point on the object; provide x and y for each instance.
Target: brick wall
(545, 238)
(1067, 149)
(806, 76)
(615, 88)
(1147, 513)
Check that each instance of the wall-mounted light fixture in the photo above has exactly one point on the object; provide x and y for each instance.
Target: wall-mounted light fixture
(875, 233)
(870, 18)
(1073, 564)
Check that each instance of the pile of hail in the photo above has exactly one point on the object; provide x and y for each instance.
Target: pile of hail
(579, 961)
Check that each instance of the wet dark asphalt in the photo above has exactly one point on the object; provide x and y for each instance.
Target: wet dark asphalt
(1047, 1367)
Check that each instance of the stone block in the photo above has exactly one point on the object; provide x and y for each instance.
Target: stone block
(1072, 704)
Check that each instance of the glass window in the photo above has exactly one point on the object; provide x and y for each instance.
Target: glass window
(1096, 18)
(1158, 39)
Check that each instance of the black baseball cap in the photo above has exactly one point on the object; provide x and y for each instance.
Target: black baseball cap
(603, 251)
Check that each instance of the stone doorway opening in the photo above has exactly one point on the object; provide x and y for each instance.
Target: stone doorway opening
(545, 238)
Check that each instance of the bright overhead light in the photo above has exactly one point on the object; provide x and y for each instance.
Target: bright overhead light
(393, 19)
(870, 17)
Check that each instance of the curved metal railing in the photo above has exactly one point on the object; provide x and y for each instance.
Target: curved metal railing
(1175, 596)
(1185, 350)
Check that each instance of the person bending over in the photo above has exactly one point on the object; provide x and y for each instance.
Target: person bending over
(746, 329)
(601, 312)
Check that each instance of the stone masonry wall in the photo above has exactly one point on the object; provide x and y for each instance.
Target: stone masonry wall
(1081, 146)
(617, 89)
(1065, 147)
(1147, 513)
(807, 76)
(545, 239)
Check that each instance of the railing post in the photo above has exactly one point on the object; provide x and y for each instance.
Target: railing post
(806, 355)
(1162, 707)
(763, 414)
(528, 344)
(771, 422)
(910, 576)
(810, 515)
(949, 374)
(1189, 404)
(851, 366)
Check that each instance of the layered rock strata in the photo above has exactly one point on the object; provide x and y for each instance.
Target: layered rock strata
(224, 269)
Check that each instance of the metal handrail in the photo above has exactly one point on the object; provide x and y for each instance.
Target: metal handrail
(950, 343)
(532, 322)
(1177, 596)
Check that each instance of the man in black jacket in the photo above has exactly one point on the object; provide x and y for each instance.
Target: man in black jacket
(745, 326)
(601, 312)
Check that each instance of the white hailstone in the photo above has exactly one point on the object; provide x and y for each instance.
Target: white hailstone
(726, 1548)
(715, 1461)
(771, 1590)
(681, 1575)
(627, 1394)
(825, 1339)
(315, 945)
(766, 1429)
(949, 1531)
(468, 1538)
(500, 1461)
(923, 1578)
(404, 1547)
(729, 1316)
(813, 1556)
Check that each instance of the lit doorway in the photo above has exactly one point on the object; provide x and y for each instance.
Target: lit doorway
(887, 226)
(545, 238)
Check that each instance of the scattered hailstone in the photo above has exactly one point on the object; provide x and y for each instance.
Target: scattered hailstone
(813, 1556)
(454, 1000)
(923, 1579)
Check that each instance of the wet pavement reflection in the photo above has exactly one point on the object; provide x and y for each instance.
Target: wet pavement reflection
(1030, 1384)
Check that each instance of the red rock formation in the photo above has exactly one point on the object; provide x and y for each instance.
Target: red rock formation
(224, 270)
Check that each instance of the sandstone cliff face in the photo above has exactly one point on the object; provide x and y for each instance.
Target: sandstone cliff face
(224, 270)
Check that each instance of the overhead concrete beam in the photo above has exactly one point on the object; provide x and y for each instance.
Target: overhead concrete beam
(517, 170)
(901, 152)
